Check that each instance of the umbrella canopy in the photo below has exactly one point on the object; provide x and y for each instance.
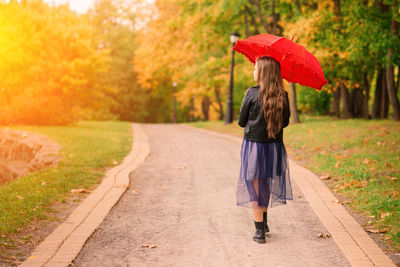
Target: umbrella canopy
(297, 64)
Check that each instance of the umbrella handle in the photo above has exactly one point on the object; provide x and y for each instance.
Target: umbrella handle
(291, 39)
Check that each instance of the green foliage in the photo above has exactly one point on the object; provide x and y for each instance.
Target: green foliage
(58, 66)
(310, 101)
(113, 23)
(49, 65)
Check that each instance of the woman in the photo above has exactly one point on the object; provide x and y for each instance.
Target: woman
(264, 171)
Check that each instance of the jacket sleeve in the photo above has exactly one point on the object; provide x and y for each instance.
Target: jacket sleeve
(244, 109)
(286, 113)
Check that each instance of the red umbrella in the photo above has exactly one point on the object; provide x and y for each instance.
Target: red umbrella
(297, 64)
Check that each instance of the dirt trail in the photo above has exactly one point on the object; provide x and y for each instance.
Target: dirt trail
(182, 200)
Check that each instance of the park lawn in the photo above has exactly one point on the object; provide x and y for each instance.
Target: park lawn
(362, 158)
(88, 148)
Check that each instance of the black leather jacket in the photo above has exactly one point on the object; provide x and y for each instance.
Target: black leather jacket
(251, 117)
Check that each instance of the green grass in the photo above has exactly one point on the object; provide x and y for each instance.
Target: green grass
(88, 148)
(362, 158)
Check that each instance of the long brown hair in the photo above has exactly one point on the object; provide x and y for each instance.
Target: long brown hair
(272, 93)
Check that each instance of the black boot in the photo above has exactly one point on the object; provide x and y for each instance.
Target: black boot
(259, 236)
(265, 222)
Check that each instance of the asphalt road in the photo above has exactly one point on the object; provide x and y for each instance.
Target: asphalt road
(180, 210)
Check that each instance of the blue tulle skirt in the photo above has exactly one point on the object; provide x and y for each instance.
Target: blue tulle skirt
(264, 175)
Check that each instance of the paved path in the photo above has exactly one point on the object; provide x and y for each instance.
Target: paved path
(190, 213)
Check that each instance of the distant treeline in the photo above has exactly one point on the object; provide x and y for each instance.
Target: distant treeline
(57, 66)
(356, 41)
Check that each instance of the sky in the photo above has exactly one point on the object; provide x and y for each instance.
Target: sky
(81, 6)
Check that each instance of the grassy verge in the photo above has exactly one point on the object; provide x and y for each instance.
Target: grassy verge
(88, 148)
(362, 158)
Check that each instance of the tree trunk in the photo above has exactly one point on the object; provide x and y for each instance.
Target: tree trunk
(346, 114)
(246, 23)
(298, 5)
(293, 104)
(356, 100)
(336, 7)
(205, 107)
(385, 99)
(217, 91)
(260, 15)
(253, 20)
(398, 79)
(274, 17)
(365, 109)
(335, 104)
(191, 109)
(377, 105)
(394, 101)
(174, 112)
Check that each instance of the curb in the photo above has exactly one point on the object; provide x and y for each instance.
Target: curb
(356, 244)
(62, 246)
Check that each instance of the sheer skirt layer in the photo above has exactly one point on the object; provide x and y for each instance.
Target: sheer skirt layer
(264, 175)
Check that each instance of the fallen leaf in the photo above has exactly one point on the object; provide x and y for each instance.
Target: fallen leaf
(395, 193)
(392, 178)
(365, 141)
(325, 176)
(43, 183)
(81, 190)
(20, 197)
(115, 162)
(327, 235)
(32, 257)
(365, 161)
(379, 143)
(344, 186)
(377, 231)
(388, 237)
(337, 164)
(181, 167)
(355, 183)
(385, 214)
(149, 246)
(388, 165)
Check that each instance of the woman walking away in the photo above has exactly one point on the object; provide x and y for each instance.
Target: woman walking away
(264, 171)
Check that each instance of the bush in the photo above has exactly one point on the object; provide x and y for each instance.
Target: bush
(311, 101)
